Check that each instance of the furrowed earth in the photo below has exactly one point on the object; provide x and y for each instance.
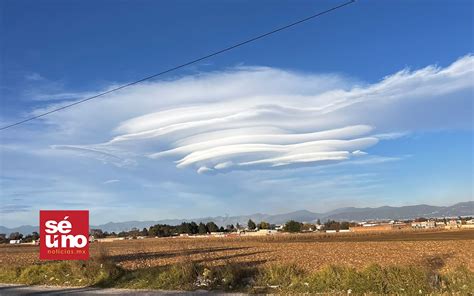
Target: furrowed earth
(439, 250)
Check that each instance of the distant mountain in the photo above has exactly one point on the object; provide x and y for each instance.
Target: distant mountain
(25, 229)
(301, 216)
(347, 214)
(406, 212)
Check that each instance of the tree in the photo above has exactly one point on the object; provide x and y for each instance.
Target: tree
(212, 227)
(194, 227)
(237, 226)
(202, 228)
(344, 225)
(97, 233)
(185, 228)
(293, 226)
(264, 225)
(308, 227)
(35, 235)
(162, 230)
(153, 231)
(332, 225)
(15, 236)
(144, 232)
(230, 228)
(134, 233)
(251, 225)
(3, 238)
(318, 222)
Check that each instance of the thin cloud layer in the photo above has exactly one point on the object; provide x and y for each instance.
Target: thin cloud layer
(265, 118)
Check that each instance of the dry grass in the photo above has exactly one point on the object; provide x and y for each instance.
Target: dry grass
(286, 279)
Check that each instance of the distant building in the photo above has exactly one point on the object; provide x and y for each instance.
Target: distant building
(279, 227)
(468, 224)
(424, 224)
(217, 234)
(15, 241)
(454, 224)
(262, 232)
(373, 227)
(109, 239)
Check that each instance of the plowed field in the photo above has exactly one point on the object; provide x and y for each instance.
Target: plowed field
(441, 250)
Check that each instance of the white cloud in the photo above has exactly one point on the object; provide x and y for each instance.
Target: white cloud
(391, 136)
(34, 77)
(265, 118)
(111, 181)
(103, 153)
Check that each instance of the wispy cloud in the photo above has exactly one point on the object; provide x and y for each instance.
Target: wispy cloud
(34, 77)
(111, 181)
(14, 208)
(391, 136)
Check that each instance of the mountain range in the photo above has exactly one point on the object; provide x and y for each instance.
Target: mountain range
(341, 214)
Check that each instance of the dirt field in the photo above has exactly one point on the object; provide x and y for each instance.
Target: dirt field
(441, 250)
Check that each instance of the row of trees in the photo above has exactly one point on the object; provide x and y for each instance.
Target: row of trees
(262, 225)
(191, 228)
(18, 236)
(186, 228)
(165, 230)
(294, 226)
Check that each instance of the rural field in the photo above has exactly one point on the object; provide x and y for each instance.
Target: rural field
(447, 249)
(425, 255)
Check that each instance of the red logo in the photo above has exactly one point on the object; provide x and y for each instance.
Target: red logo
(64, 235)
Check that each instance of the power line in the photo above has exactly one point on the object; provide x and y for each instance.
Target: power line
(180, 66)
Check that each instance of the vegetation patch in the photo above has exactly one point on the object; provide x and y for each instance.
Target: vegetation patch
(64, 273)
(100, 272)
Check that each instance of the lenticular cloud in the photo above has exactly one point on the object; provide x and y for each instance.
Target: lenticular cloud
(228, 136)
(264, 118)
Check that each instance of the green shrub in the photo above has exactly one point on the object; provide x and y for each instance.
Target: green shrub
(178, 276)
(460, 279)
(336, 279)
(231, 276)
(67, 273)
(396, 279)
(281, 277)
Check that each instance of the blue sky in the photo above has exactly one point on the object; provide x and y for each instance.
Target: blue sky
(370, 105)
